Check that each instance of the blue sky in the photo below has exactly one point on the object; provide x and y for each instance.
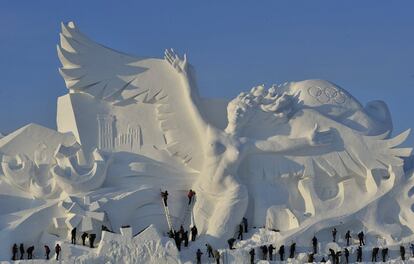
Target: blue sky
(367, 47)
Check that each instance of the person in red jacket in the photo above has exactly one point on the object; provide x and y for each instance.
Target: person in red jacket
(190, 195)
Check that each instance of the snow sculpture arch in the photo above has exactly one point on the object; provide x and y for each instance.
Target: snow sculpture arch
(72, 176)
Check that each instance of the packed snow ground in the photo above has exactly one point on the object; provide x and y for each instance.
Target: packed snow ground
(151, 247)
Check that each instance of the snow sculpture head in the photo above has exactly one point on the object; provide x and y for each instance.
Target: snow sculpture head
(244, 108)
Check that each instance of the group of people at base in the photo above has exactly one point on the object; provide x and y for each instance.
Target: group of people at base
(268, 252)
(20, 249)
(214, 253)
(181, 236)
(85, 235)
(30, 250)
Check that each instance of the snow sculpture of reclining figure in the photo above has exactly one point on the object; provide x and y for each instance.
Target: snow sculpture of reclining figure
(74, 177)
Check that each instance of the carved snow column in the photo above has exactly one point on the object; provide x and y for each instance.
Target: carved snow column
(105, 132)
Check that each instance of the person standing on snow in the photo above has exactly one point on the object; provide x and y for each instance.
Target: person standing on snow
(282, 252)
(231, 243)
(384, 253)
(194, 232)
(314, 244)
(347, 237)
(402, 252)
(292, 251)
(47, 251)
(361, 238)
(240, 235)
(83, 237)
(252, 254)
(374, 254)
(21, 249)
(334, 231)
(217, 256)
(359, 254)
(14, 251)
(190, 196)
(264, 252)
(346, 251)
(412, 250)
(245, 224)
(198, 256)
(209, 250)
(57, 251)
(271, 248)
(185, 238)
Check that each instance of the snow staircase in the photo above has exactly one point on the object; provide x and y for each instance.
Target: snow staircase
(188, 213)
(167, 216)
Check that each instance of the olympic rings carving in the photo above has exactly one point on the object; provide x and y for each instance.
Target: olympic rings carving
(327, 94)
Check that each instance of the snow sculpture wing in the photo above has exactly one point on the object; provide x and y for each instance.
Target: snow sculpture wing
(122, 79)
(94, 69)
(353, 153)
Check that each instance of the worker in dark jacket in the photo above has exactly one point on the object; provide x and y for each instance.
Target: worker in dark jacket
(384, 253)
(315, 244)
(30, 252)
(194, 232)
(252, 254)
(73, 236)
(271, 248)
(346, 253)
(84, 236)
(209, 250)
(198, 256)
(91, 240)
(361, 238)
(292, 250)
(347, 237)
(15, 249)
(240, 235)
(359, 254)
(245, 224)
(47, 251)
(231, 243)
(264, 252)
(311, 258)
(402, 252)
(21, 249)
(282, 252)
(334, 231)
(58, 249)
(333, 255)
(374, 255)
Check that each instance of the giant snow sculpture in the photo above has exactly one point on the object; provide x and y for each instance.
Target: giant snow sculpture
(293, 157)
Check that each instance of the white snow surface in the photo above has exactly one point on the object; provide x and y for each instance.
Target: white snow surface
(300, 158)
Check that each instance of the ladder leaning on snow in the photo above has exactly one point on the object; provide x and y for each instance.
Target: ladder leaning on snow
(167, 215)
(188, 212)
